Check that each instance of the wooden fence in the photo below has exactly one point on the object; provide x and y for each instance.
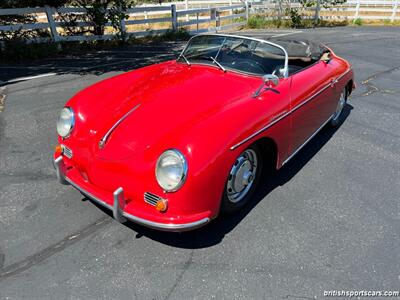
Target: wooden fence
(141, 21)
(383, 10)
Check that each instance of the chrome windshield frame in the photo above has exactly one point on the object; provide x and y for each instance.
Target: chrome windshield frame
(286, 67)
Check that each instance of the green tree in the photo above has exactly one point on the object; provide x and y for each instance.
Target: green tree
(296, 13)
(100, 12)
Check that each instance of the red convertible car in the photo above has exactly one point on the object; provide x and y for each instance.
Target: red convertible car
(172, 145)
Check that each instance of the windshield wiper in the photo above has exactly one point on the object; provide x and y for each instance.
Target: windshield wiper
(184, 57)
(218, 64)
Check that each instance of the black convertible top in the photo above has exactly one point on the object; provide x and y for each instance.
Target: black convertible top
(301, 48)
(298, 49)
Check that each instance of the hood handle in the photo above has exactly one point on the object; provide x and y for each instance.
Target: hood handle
(107, 135)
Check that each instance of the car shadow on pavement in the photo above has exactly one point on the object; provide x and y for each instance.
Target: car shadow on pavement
(214, 232)
(95, 62)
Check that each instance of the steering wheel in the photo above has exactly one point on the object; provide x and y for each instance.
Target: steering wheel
(246, 64)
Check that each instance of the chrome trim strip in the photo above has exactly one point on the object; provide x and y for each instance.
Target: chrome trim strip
(289, 112)
(311, 97)
(341, 76)
(91, 196)
(259, 131)
(168, 227)
(58, 163)
(302, 145)
(280, 118)
(107, 135)
(285, 73)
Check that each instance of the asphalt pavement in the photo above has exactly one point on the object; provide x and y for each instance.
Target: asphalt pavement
(328, 220)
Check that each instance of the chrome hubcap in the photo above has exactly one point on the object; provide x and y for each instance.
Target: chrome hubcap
(242, 176)
(339, 107)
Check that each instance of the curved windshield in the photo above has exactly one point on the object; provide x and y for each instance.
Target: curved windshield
(236, 53)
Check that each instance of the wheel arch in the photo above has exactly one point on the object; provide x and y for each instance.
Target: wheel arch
(269, 151)
(350, 87)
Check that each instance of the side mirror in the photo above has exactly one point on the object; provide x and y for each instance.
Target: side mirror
(271, 80)
(268, 80)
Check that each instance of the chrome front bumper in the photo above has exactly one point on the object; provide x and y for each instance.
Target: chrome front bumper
(119, 203)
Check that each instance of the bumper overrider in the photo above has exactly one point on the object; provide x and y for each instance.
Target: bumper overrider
(119, 202)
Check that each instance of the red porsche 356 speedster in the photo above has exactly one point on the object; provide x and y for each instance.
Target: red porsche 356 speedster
(172, 145)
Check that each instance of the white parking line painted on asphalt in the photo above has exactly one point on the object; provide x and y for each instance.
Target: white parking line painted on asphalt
(29, 77)
(289, 33)
(136, 51)
(34, 68)
(273, 33)
(78, 69)
(158, 54)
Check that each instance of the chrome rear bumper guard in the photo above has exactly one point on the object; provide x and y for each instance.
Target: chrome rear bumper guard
(119, 204)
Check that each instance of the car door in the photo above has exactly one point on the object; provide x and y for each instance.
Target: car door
(275, 106)
(311, 102)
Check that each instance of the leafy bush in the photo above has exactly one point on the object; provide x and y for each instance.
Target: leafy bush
(256, 22)
(99, 13)
(295, 18)
(358, 22)
(179, 35)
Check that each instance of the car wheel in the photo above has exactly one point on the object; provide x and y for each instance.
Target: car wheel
(242, 180)
(338, 115)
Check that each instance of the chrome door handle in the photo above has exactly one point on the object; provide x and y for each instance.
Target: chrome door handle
(333, 82)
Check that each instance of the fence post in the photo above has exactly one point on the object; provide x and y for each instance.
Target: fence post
(187, 7)
(53, 29)
(395, 5)
(213, 16)
(146, 16)
(357, 10)
(247, 10)
(217, 21)
(123, 29)
(230, 4)
(174, 17)
(317, 10)
(280, 11)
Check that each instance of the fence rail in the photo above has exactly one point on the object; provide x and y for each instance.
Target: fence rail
(352, 9)
(141, 20)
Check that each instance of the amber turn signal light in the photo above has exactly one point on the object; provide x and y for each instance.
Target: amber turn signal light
(161, 205)
(58, 149)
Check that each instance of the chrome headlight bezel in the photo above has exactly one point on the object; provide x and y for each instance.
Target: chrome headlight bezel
(179, 157)
(71, 122)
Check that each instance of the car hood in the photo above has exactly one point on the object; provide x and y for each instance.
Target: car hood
(157, 104)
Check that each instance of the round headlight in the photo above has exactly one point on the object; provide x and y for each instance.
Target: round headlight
(65, 122)
(171, 170)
